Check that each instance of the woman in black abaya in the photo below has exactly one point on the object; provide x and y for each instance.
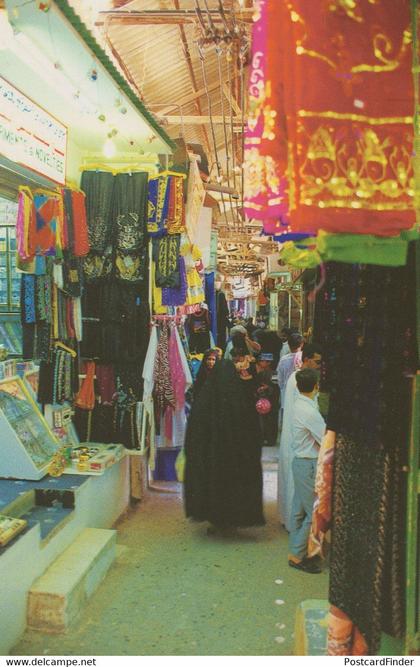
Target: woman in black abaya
(223, 474)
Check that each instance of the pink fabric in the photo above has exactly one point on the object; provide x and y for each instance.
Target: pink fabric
(266, 192)
(177, 372)
(168, 423)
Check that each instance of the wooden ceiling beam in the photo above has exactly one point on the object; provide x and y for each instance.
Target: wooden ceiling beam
(195, 120)
(164, 16)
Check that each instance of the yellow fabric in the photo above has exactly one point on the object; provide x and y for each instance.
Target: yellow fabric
(158, 309)
(301, 258)
(195, 291)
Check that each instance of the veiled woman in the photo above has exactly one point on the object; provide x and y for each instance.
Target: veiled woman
(223, 473)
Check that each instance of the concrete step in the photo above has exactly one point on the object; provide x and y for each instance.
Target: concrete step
(57, 597)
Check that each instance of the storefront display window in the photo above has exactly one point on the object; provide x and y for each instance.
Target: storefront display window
(9, 280)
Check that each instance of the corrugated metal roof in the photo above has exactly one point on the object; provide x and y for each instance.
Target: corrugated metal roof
(153, 58)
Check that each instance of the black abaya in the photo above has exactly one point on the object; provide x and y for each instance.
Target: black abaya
(223, 474)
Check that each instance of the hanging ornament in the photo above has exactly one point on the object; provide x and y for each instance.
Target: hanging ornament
(93, 74)
(44, 5)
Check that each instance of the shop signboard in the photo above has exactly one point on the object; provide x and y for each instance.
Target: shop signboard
(30, 136)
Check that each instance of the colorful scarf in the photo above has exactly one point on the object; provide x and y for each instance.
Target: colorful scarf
(344, 638)
(166, 251)
(45, 225)
(176, 296)
(265, 182)
(176, 212)
(347, 163)
(321, 517)
(177, 371)
(158, 206)
(162, 390)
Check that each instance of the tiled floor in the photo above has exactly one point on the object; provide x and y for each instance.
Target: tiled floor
(176, 591)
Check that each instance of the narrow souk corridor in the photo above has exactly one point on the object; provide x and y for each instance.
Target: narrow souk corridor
(174, 590)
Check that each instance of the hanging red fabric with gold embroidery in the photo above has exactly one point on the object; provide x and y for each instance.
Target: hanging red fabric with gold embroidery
(343, 103)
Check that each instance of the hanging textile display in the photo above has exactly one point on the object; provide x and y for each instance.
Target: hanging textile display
(192, 257)
(322, 513)
(176, 296)
(85, 399)
(167, 378)
(344, 638)
(98, 187)
(46, 225)
(158, 206)
(176, 212)
(166, 257)
(163, 391)
(265, 179)
(364, 320)
(129, 214)
(344, 145)
(75, 232)
(416, 119)
(25, 217)
(195, 199)
(58, 379)
(51, 228)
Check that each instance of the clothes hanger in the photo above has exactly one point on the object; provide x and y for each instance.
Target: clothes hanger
(66, 349)
(168, 172)
(114, 170)
(47, 192)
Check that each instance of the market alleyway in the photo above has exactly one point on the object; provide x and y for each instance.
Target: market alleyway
(173, 590)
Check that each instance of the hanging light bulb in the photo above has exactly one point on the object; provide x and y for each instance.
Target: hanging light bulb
(109, 149)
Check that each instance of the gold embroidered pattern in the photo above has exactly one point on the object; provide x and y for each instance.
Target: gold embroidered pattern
(260, 175)
(350, 7)
(387, 56)
(163, 184)
(177, 225)
(128, 266)
(381, 45)
(398, 120)
(167, 268)
(355, 167)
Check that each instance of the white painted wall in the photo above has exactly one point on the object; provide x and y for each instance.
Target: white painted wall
(99, 503)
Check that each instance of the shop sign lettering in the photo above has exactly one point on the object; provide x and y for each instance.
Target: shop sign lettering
(30, 136)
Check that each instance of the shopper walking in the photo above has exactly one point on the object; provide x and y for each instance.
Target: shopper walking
(209, 361)
(308, 428)
(289, 362)
(311, 358)
(223, 474)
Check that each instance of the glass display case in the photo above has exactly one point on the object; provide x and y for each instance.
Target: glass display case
(9, 278)
(27, 444)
